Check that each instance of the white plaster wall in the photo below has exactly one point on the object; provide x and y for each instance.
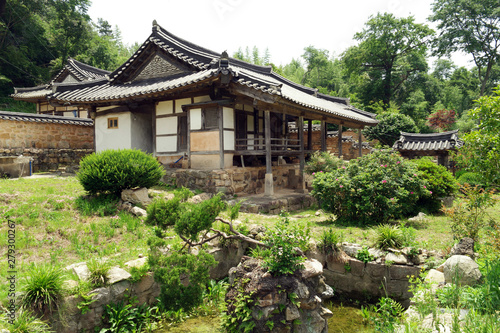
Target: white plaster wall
(166, 107)
(195, 119)
(200, 99)
(166, 144)
(180, 102)
(228, 140)
(166, 125)
(228, 117)
(113, 138)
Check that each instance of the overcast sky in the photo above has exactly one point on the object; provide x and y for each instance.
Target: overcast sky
(285, 27)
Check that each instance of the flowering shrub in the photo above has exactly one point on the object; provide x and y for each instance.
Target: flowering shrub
(322, 162)
(372, 189)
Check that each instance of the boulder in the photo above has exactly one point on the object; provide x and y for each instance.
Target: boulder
(464, 247)
(351, 249)
(395, 258)
(462, 270)
(434, 276)
(137, 196)
(138, 211)
(199, 198)
(116, 274)
(312, 268)
(137, 263)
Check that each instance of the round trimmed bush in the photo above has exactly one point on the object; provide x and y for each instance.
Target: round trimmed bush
(112, 171)
(371, 189)
(440, 183)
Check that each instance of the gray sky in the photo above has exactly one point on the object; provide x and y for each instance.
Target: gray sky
(285, 27)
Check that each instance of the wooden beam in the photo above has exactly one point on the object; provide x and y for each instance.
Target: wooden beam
(221, 137)
(301, 140)
(360, 142)
(323, 135)
(340, 141)
(309, 134)
(267, 136)
(188, 139)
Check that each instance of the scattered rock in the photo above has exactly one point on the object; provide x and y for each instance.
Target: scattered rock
(328, 293)
(81, 270)
(318, 213)
(312, 268)
(199, 198)
(136, 196)
(398, 259)
(376, 253)
(462, 268)
(136, 262)
(126, 206)
(116, 274)
(351, 249)
(464, 247)
(138, 211)
(434, 276)
(419, 218)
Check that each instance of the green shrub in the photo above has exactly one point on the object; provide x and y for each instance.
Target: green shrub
(43, 289)
(174, 270)
(468, 215)
(440, 183)
(364, 255)
(163, 213)
(112, 171)
(183, 193)
(471, 178)
(388, 236)
(283, 241)
(322, 161)
(371, 189)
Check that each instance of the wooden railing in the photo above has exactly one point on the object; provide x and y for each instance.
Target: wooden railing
(277, 144)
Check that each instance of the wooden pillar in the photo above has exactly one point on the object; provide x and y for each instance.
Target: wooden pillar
(301, 186)
(309, 134)
(323, 135)
(269, 182)
(360, 142)
(188, 138)
(340, 141)
(221, 137)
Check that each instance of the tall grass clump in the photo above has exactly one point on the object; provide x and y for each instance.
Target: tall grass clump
(98, 269)
(43, 289)
(112, 171)
(388, 236)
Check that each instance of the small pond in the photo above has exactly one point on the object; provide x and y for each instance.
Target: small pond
(345, 319)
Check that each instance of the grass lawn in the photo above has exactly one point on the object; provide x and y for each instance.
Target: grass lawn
(56, 224)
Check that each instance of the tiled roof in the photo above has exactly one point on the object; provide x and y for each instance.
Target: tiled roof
(428, 142)
(198, 64)
(105, 90)
(78, 70)
(42, 118)
(32, 93)
(81, 71)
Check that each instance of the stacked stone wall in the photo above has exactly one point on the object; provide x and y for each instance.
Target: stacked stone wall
(51, 145)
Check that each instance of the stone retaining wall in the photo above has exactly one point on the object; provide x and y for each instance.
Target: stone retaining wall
(248, 180)
(51, 141)
(146, 290)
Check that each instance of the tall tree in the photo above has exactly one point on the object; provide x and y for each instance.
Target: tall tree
(390, 50)
(471, 26)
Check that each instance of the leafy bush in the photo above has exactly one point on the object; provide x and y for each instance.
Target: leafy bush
(371, 189)
(471, 178)
(468, 215)
(322, 161)
(163, 213)
(389, 128)
(283, 242)
(42, 289)
(364, 255)
(183, 193)
(440, 183)
(183, 276)
(122, 317)
(112, 171)
(388, 236)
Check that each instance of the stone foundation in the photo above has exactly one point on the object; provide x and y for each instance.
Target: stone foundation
(248, 180)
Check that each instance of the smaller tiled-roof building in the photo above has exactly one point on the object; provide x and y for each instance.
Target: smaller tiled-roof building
(413, 145)
(74, 72)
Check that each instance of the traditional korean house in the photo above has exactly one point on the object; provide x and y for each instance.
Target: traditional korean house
(73, 72)
(412, 145)
(193, 107)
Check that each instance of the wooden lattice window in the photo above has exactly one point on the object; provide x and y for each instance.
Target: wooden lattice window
(210, 118)
(113, 122)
